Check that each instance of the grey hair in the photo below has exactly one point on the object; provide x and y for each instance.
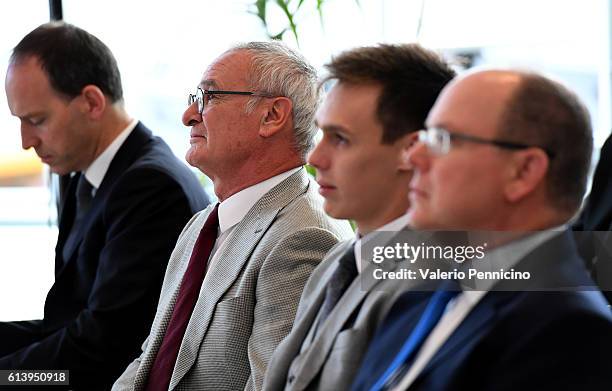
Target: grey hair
(280, 71)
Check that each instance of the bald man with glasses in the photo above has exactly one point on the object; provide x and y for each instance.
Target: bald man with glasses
(509, 152)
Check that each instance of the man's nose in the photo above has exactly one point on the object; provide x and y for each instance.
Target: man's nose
(191, 116)
(28, 138)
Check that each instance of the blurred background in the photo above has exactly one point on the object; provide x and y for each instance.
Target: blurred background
(163, 47)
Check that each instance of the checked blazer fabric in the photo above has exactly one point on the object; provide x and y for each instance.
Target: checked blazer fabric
(161, 372)
(330, 360)
(249, 295)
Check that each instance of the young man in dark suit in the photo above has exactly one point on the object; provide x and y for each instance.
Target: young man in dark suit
(127, 201)
(503, 151)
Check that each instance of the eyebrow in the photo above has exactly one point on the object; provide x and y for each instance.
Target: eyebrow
(208, 84)
(443, 125)
(30, 115)
(332, 128)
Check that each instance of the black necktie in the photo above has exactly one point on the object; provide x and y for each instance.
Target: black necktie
(83, 202)
(344, 274)
(83, 196)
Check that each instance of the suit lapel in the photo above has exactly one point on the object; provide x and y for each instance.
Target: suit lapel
(478, 321)
(329, 330)
(170, 290)
(73, 243)
(305, 322)
(122, 159)
(318, 352)
(314, 306)
(229, 263)
(554, 263)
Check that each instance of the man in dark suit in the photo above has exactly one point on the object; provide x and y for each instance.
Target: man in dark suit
(127, 202)
(593, 226)
(597, 212)
(369, 121)
(503, 151)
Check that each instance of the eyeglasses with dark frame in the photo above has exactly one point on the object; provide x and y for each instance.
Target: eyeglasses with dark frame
(200, 94)
(439, 140)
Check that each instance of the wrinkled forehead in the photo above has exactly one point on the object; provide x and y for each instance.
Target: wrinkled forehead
(229, 71)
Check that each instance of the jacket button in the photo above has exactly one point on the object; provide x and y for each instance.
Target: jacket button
(291, 379)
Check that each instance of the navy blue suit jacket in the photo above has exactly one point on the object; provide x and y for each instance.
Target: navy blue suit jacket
(101, 305)
(596, 247)
(512, 340)
(597, 212)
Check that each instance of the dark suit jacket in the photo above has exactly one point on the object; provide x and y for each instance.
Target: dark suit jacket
(596, 247)
(521, 340)
(597, 212)
(102, 303)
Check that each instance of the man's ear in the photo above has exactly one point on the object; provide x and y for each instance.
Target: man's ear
(93, 101)
(527, 171)
(405, 144)
(276, 116)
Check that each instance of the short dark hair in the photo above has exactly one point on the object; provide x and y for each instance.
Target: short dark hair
(545, 113)
(72, 59)
(411, 78)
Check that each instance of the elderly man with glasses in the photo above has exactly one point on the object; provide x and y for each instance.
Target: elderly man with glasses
(504, 151)
(234, 280)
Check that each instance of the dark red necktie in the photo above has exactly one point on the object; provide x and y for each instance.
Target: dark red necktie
(161, 372)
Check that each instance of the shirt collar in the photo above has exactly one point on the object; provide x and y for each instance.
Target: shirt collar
(233, 209)
(96, 170)
(392, 226)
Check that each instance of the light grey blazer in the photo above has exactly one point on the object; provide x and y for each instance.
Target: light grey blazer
(331, 359)
(250, 295)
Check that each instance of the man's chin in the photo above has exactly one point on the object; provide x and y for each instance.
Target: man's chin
(191, 158)
(197, 163)
(59, 170)
(329, 209)
(417, 220)
(335, 211)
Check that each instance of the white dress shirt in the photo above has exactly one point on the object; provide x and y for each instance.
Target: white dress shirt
(458, 308)
(97, 169)
(233, 209)
(392, 226)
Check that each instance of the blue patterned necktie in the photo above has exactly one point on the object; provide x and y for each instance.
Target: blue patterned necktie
(431, 316)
